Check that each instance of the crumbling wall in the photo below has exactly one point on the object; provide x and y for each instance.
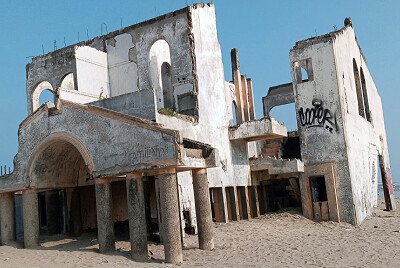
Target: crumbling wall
(365, 135)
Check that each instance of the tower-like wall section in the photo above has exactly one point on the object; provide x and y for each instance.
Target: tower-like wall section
(319, 114)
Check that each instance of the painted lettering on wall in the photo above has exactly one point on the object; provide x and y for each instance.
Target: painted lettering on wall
(148, 152)
(318, 116)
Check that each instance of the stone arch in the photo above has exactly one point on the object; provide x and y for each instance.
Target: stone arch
(44, 85)
(159, 54)
(67, 82)
(59, 161)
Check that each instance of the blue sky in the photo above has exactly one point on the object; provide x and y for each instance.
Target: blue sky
(263, 31)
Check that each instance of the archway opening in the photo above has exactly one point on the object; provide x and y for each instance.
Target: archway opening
(37, 99)
(66, 192)
(46, 96)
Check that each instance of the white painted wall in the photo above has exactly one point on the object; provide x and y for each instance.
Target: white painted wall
(92, 72)
(122, 67)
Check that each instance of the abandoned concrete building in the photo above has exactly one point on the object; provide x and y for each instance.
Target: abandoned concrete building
(145, 130)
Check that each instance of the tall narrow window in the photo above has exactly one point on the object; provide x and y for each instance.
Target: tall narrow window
(168, 90)
(361, 109)
(233, 113)
(365, 95)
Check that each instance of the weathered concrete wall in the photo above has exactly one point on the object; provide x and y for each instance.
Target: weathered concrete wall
(102, 141)
(322, 140)
(365, 140)
(138, 103)
(52, 68)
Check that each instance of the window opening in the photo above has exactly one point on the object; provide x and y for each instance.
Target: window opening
(365, 96)
(360, 100)
(46, 96)
(168, 90)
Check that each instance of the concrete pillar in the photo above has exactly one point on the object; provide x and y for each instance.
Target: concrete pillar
(30, 211)
(52, 212)
(203, 209)
(236, 77)
(252, 112)
(7, 215)
(137, 217)
(245, 99)
(170, 215)
(105, 217)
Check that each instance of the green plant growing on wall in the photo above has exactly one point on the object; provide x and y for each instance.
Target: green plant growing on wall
(166, 111)
(101, 97)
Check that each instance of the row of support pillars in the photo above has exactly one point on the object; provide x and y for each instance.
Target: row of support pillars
(242, 202)
(167, 185)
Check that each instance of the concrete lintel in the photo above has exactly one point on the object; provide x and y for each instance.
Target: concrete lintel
(261, 129)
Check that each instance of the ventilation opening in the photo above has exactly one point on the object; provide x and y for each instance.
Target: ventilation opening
(282, 194)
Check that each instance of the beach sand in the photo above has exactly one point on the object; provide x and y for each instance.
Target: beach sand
(275, 240)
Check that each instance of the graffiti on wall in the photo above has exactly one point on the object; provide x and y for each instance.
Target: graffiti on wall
(318, 116)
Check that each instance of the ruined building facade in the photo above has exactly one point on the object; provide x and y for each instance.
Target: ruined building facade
(145, 129)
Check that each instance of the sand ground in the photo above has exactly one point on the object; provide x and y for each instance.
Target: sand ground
(275, 240)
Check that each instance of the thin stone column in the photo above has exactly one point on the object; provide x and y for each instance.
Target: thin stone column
(170, 216)
(30, 212)
(7, 213)
(105, 217)
(137, 217)
(203, 209)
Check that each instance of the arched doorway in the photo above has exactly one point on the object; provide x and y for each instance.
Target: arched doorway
(60, 173)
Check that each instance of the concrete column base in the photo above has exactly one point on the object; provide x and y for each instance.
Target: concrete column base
(105, 217)
(137, 217)
(30, 216)
(170, 216)
(7, 213)
(203, 209)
